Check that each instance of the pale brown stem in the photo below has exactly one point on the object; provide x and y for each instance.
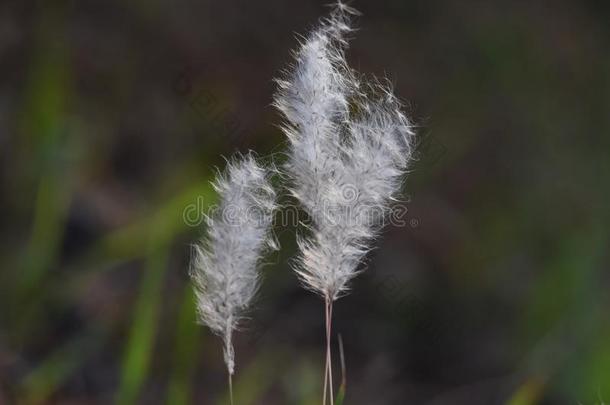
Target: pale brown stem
(328, 369)
(230, 388)
(325, 394)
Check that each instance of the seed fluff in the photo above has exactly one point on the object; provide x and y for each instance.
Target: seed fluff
(225, 266)
(350, 146)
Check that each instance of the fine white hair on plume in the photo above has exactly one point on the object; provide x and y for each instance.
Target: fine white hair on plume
(225, 265)
(350, 146)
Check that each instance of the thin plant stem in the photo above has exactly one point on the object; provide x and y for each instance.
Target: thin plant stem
(328, 369)
(330, 362)
(230, 387)
(325, 394)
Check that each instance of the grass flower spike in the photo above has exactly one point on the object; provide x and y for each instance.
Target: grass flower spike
(224, 269)
(349, 147)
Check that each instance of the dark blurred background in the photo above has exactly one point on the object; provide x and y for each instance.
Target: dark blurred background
(113, 115)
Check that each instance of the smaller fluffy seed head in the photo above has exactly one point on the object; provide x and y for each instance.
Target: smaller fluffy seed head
(225, 265)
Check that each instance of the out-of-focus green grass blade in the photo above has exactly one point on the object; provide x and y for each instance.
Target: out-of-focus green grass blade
(130, 241)
(168, 221)
(566, 303)
(186, 346)
(301, 379)
(594, 381)
(569, 281)
(340, 395)
(46, 97)
(48, 227)
(45, 378)
(42, 142)
(528, 393)
(37, 386)
(255, 380)
(138, 351)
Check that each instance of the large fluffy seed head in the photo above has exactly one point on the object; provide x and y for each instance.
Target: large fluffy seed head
(224, 267)
(350, 146)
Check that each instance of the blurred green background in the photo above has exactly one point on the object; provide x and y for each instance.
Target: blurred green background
(113, 115)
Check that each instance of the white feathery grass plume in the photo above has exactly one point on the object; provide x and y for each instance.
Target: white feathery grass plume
(349, 147)
(224, 269)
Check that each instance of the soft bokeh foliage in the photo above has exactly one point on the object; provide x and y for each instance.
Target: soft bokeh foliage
(113, 115)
